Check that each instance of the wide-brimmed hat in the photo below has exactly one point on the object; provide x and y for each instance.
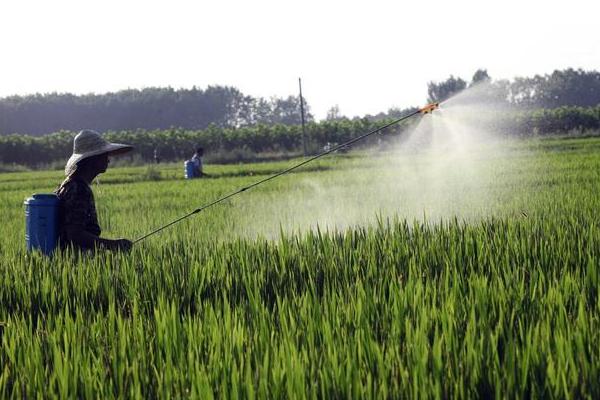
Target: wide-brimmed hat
(90, 143)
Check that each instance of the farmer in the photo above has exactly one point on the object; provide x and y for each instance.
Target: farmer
(197, 160)
(78, 222)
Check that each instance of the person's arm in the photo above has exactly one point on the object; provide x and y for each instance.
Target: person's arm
(77, 206)
(201, 168)
(87, 240)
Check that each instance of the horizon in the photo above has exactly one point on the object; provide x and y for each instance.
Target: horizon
(350, 55)
(140, 89)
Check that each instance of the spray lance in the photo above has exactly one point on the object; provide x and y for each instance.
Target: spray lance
(428, 109)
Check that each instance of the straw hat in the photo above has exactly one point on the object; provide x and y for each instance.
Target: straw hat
(90, 143)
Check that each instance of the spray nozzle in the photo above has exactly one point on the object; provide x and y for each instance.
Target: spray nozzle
(428, 109)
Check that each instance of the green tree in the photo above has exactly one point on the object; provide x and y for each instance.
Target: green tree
(444, 90)
(480, 76)
(334, 114)
(287, 111)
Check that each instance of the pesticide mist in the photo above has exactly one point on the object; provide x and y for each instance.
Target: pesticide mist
(455, 163)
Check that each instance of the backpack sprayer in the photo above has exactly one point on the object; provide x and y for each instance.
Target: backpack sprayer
(41, 210)
(428, 109)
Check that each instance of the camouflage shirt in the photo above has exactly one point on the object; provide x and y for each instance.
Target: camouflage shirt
(77, 208)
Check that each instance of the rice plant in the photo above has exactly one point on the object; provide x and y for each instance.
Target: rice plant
(461, 299)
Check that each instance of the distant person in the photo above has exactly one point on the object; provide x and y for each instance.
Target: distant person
(78, 222)
(156, 157)
(197, 160)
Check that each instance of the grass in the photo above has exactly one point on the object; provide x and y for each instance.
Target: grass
(439, 294)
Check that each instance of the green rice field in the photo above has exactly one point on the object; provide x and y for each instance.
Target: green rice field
(360, 276)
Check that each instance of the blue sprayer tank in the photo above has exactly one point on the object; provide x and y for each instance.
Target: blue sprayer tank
(189, 169)
(41, 222)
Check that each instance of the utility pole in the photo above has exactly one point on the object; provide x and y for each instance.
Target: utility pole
(302, 115)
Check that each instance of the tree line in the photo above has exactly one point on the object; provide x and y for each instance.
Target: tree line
(251, 143)
(228, 107)
(569, 87)
(151, 108)
(234, 127)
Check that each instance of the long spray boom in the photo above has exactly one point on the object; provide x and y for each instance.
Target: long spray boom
(425, 110)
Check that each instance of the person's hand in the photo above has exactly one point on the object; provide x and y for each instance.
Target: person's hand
(121, 245)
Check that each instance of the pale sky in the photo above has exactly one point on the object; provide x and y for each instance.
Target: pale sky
(364, 56)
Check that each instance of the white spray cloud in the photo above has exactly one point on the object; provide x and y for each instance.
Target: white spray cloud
(454, 163)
